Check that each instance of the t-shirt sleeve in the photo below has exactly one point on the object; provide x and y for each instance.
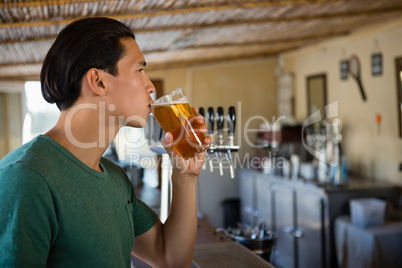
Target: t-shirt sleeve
(27, 217)
(143, 216)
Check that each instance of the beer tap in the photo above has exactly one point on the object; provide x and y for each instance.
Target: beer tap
(202, 112)
(219, 125)
(210, 121)
(231, 128)
(218, 147)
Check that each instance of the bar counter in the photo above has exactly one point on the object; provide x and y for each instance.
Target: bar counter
(211, 251)
(215, 251)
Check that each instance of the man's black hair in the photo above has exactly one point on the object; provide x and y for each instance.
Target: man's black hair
(82, 45)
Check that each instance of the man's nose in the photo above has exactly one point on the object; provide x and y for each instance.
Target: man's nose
(149, 87)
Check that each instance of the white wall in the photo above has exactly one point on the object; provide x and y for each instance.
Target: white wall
(375, 156)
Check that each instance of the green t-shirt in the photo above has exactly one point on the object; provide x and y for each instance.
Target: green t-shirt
(57, 212)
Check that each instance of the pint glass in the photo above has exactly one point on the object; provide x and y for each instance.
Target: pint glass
(174, 114)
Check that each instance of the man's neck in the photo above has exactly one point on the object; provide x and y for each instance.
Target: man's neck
(85, 134)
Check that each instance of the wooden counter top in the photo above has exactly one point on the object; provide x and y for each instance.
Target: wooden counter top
(212, 251)
(205, 234)
(215, 250)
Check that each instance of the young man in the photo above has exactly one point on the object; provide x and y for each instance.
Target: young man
(61, 203)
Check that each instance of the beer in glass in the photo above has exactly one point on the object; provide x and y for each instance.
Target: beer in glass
(174, 114)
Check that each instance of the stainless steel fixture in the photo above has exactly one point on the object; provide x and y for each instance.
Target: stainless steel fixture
(302, 214)
(218, 148)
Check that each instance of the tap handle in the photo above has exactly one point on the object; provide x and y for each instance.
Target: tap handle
(231, 120)
(210, 120)
(201, 111)
(219, 120)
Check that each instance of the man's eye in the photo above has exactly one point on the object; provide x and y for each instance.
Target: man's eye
(141, 70)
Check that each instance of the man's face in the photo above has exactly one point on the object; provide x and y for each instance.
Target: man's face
(128, 93)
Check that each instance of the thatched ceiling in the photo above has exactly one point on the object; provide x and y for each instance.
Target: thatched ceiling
(174, 33)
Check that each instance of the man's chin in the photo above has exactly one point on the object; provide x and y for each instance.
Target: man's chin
(136, 121)
(136, 125)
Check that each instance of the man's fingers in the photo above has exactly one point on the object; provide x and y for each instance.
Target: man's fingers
(167, 140)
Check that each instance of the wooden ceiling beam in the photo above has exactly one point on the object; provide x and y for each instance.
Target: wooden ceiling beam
(183, 64)
(177, 64)
(272, 20)
(309, 39)
(198, 7)
(286, 41)
(20, 77)
(154, 13)
(174, 64)
(19, 64)
(228, 23)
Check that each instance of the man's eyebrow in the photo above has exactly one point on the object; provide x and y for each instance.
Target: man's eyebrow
(142, 63)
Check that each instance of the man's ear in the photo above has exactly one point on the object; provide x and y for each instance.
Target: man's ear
(94, 79)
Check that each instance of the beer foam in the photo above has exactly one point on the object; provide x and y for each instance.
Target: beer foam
(174, 97)
(181, 100)
(169, 100)
(169, 103)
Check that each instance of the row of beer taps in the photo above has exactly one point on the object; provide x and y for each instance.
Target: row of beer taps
(218, 148)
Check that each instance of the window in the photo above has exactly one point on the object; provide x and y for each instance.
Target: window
(40, 116)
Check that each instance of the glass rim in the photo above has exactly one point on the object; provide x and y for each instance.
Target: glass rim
(168, 97)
